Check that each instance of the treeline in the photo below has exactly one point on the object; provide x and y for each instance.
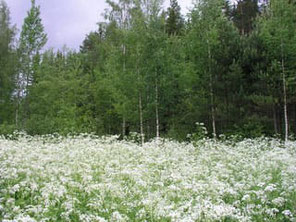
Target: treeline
(155, 72)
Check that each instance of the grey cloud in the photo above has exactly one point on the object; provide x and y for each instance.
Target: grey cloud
(66, 21)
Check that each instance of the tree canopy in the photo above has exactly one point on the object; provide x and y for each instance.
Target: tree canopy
(152, 72)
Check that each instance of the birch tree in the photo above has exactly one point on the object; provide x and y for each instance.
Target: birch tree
(277, 30)
(205, 36)
(32, 40)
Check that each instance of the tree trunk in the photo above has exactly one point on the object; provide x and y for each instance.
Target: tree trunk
(156, 109)
(212, 93)
(123, 127)
(213, 109)
(123, 69)
(17, 115)
(148, 134)
(295, 117)
(140, 103)
(141, 119)
(18, 99)
(109, 118)
(285, 93)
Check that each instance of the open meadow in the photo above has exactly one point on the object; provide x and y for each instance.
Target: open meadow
(87, 178)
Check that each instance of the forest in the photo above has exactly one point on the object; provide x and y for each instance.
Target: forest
(223, 69)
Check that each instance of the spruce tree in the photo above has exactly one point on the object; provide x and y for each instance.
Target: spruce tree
(174, 22)
(244, 15)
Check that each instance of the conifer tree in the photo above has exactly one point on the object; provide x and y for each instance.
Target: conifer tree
(7, 64)
(175, 21)
(244, 15)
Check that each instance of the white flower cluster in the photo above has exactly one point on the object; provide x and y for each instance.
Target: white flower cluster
(86, 178)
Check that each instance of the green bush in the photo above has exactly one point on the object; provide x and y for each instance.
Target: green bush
(6, 129)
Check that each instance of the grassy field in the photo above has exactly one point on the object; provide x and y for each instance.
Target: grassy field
(85, 178)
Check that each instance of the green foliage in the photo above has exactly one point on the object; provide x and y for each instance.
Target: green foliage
(7, 129)
(174, 22)
(254, 127)
(7, 66)
(200, 133)
(244, 15)
(148, 71)
(32, 38)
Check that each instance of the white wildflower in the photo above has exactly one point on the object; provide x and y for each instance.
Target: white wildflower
(246, 197)
(287, 213)
(279, 201)
(270, 188)
(215, 180)
(117, 217)
(272, 212)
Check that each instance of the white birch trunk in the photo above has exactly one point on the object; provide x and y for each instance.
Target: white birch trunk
(212, 93)
(123, 112)
(285, 93)
(140, 104)
(156, 110)
(213, 110)
(141, 119)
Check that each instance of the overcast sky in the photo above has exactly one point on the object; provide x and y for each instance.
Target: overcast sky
(67, 21)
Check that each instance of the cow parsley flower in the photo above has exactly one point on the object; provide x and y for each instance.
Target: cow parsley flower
(287, 213)
(279, 201)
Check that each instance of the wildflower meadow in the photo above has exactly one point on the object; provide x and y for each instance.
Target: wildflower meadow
(90, 178)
